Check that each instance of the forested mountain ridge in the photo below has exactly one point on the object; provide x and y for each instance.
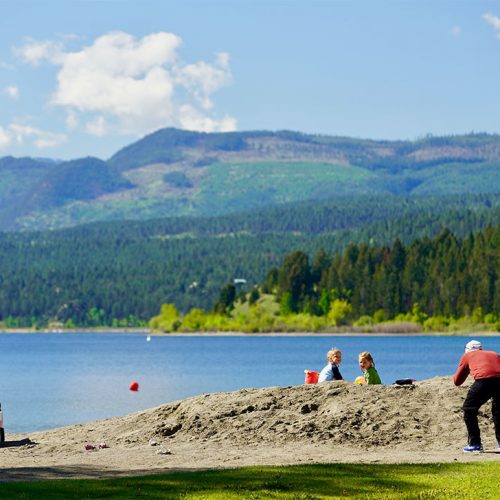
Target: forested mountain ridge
(173, 172)
(95, 274)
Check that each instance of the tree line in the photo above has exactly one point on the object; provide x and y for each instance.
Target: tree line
(119, 274)
(430, 284)
(445, 276)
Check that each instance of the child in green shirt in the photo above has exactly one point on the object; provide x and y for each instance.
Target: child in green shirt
(367, 364)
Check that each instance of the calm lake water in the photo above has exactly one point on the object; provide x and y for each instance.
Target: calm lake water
(51, 380)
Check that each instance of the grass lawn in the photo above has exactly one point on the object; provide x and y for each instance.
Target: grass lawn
(305, 482)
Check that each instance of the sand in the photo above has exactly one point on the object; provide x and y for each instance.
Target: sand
(324, 423)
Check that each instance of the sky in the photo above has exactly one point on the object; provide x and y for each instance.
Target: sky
(88, 77)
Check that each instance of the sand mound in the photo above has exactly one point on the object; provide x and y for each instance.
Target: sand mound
(330, 422)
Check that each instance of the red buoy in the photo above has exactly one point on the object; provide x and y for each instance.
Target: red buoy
(134, 386)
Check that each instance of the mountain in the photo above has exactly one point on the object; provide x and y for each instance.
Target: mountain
(18, 176)
(173, 172)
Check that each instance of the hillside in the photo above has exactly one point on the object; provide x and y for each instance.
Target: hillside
(95, 273)
(176, 173)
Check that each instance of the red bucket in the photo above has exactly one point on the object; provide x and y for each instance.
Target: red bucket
(311, 377)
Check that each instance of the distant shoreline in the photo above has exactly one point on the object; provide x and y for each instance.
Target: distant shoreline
(76, 330)
(144, 331)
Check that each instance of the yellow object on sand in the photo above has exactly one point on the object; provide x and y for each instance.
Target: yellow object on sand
(359, 380)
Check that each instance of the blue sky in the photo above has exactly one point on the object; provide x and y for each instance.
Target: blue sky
(85, 78)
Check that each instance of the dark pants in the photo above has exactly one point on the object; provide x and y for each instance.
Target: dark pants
(479, 393)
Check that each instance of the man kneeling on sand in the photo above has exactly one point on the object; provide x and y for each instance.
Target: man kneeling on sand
(484, 366)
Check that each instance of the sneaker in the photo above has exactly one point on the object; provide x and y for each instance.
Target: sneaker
(470, 448)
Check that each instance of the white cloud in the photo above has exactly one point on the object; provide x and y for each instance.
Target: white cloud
(41, 138)
(192, 119)
(97, 127)
(71, 120)
(5, 138)
(493, 21)
(202, 79)
(121, 84)
(456, 31)
(12, 91)
(34, 52)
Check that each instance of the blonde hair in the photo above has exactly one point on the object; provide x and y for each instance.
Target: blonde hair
(365, 355)
(333, 353)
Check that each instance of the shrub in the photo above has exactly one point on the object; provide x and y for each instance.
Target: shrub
(379, 316)
(303, 322)
(418, 315)
(340, 312)
(490, 319)
(286, 304)
(477, 315)
(364, 321)
(217, 323)
(167, 321)
(194, 320)
(436, 324)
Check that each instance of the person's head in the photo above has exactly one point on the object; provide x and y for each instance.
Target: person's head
(473, 345)
(334, 356)
(366, 360)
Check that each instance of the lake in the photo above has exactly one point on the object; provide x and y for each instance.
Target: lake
(52, 380)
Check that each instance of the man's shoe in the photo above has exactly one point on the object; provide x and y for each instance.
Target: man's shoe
(471, 448)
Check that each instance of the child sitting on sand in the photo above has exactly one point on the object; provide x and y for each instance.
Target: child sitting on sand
(370, 375)
(331, 370)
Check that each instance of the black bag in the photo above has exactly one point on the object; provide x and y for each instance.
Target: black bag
(404, 381)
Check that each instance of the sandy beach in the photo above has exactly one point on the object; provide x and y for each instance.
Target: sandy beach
(324, 423)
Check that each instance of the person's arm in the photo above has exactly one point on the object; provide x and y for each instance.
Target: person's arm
(462, 372)
(336, 373)
(326, 374)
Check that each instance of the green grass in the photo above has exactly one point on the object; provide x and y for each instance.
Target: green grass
(306, 482)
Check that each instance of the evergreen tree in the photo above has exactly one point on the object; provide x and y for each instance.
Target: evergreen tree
(226, 299)
(294, 278)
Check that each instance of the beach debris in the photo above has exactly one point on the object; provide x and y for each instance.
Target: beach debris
(153, 442)
(95, 447)
(134, 386)
(164, 451)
